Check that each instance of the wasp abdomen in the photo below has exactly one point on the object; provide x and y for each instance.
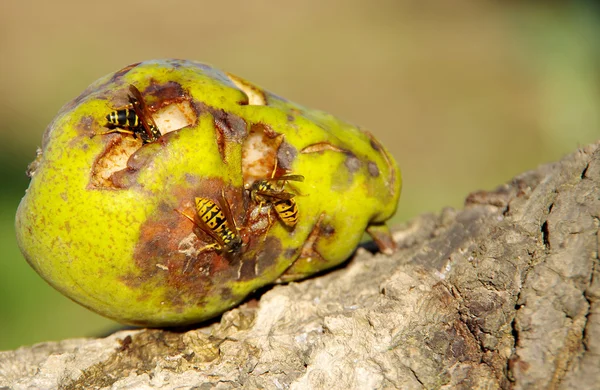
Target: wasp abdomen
(126, 118)
(287, 211)
(215, 220)
(271, 191)
(211, 214)
(134, 119)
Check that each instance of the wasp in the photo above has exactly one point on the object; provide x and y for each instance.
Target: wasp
(134, 119)
(271, 191)
(217, 221)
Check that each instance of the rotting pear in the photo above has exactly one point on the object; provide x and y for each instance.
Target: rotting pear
(159, 226)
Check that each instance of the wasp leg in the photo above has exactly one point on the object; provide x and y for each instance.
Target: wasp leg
(116, 130)
(187, 265)
(187, 216)
(208, 247)
(269, 221)
(275, 167)
(260, 207)
(205, 248)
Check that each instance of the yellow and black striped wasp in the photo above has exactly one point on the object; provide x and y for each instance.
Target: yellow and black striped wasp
(217, 221)
(271, 191)
(134, 119)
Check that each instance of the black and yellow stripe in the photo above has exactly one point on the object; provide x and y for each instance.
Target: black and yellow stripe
(134, 119)
(264, 191)
(215, 220)
(125, 118)
(287, 211)
(264, 186)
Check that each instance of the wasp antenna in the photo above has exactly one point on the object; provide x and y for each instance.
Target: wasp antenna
(275, 167)
(209, 247)
(115, 131)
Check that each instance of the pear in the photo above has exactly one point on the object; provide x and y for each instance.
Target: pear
(148, 203)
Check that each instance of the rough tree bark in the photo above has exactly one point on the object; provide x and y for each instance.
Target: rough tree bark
(502, 294)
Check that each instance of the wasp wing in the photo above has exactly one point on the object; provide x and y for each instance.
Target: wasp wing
(139, 105)
(285, 178)
(204, 227)
(282, 195)
(226, 208)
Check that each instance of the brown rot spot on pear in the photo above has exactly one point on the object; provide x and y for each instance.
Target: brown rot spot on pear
(94, 90)
(373, 169)
(286, 154)
(343, 179)
(85, 126)
(272, 249)
(327, 230)
(290, 253)
(309, 250)
(120, 73)
(159, 95)
(388, 161)
(191, 180)
(229, 127)
(226, 294)
(259, 258)
(247, 268)
(352, 162)
(232, 127)
(373, 141)
(174, 251)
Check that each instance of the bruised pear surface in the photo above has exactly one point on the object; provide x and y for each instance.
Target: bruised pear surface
(110, 216)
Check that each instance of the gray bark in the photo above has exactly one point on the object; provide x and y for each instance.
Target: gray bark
(502, 294)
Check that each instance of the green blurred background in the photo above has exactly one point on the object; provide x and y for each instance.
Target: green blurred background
(465, 95)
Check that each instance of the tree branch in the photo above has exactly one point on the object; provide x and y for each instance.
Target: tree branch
(502, 294)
